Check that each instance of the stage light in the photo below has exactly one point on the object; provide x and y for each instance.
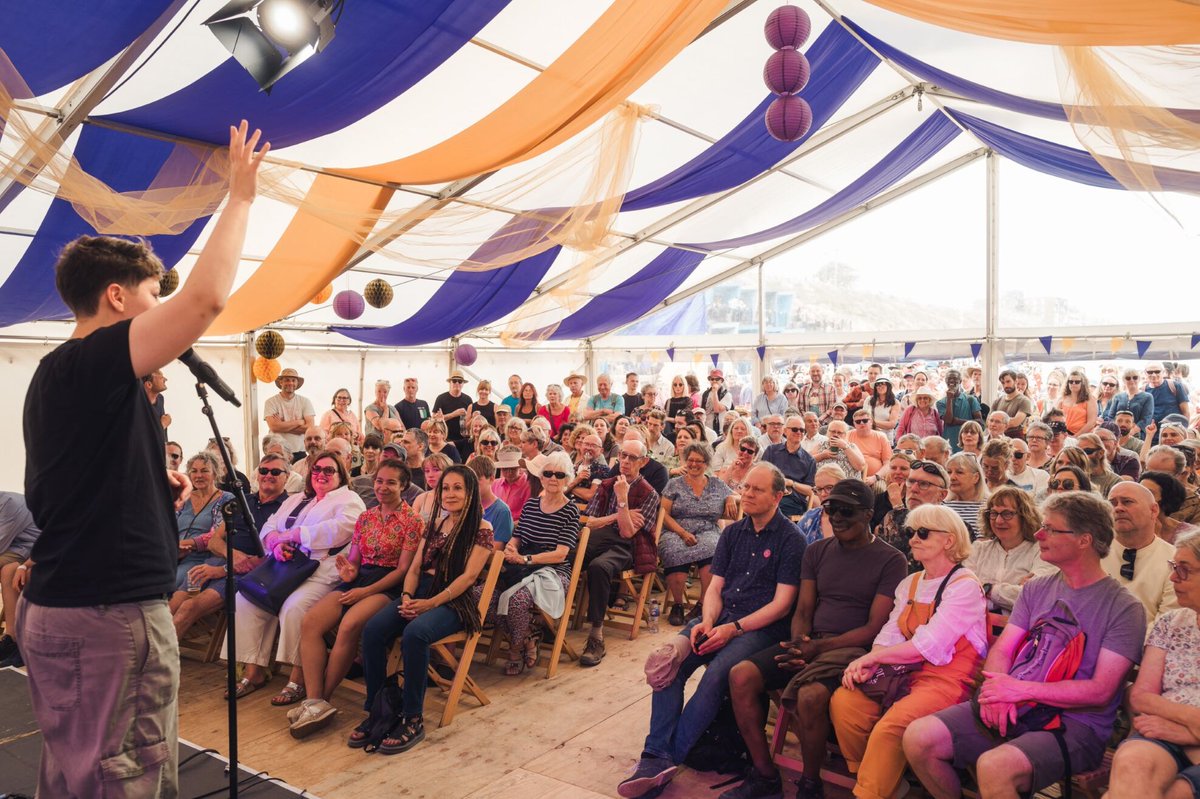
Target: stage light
(278, 37)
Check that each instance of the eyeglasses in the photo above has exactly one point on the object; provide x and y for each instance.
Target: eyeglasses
(1182, 571)
(328, 471)
(628, 456)
(264, 471)
(556, 475)
(1129, 556)
(922, 533)
(823, 490)
(1048, 529)
(792, 429)
(1036, 438)
(1006, 515)
(342, 397)
(748, 450)
(862, 421)
(840, 509)
(1090, 450)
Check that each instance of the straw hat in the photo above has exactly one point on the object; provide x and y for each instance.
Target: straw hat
(456, 375)
(289, 373)
(574, 376)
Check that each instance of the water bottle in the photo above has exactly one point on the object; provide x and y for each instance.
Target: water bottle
(655, 612)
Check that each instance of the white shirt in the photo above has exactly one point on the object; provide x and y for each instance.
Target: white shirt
(1036, 481)
(1151, 582)
(323, 525)
(962, 612)
(293, 410)
(813, 445)
(1005, 569)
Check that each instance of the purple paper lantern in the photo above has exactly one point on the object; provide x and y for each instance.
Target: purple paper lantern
(788, 118)
(788, 27)
(348, 304)
(465, 354)
(786, 72)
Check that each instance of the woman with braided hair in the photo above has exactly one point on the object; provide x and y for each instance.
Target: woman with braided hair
(437, 601)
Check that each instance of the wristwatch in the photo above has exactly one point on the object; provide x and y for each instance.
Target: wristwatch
(529, 560)
(622, 504)
(737, 625)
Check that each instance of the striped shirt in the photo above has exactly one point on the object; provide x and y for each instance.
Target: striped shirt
(539, 532)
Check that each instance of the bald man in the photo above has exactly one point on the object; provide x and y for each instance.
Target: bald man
(1138, 558)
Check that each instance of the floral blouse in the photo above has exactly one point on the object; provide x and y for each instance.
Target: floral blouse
(381, 538)
(1176, 633)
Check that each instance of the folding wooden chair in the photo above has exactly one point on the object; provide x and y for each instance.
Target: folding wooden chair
(632, 620)
(557, 626)
(205, 640)
(444, 649)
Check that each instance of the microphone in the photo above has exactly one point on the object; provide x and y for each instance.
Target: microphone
(205, 374)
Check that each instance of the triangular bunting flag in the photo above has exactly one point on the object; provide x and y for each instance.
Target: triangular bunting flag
(716, 356)
(1195, 340)
(762, 352)
(1047, 342)
(868, 351)
(833, 357)
(1142, 346)
(1068, 344)
(976, 348)
(1115, 345)
(909, 346)
(671, 353)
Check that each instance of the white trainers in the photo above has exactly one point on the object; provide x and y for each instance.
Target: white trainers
(315, 715)
(295, 712)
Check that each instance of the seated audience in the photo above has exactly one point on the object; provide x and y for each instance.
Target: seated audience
(228, 481)
(1168, 494)
(873, 444)
(438, 443)
(745, 610)
(433, 467)
(726, 451)
(814, 524)
(798, 468)
(513, 484)
(968, 491)
(372, 448)
(693, 502)
(1006, 554)
(897, 470)
(1170, 460)
(936, 449)
(970, 438)
(17, 536)
(1125, 464)
(1038, 436)
(200, 513)
(415, 442)
(371, 572)
(734, 473)
(1022, 475)
(621, 516)
(1103, 478)
(927, 484)
(937, 627)
(313, 522)
(1159, 758)
(847, 583)
(841, 450)
(537, 564)
(495, 510)
(435, 601)
(1068, 478)
(1011, 755)
(1138, 558)
(994, 462)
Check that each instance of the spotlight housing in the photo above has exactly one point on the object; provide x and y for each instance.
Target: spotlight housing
(270, 38)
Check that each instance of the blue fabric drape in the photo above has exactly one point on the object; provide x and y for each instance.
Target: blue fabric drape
(381, 50)
(687, 318)
(918, 147)
(632, 298)
(467, 300)
(840, 64)
(127, 163)
(53, 42)
(1060, 161)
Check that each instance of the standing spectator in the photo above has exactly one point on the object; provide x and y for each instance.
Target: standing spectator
(632, 397)
(1078, 405)
(872, 443)
(1170, 396)
(514, 393)
(527, 407)
(956, 408)
(799, 469)
(769, 403)
(451, 407)
(1106, 399)
(1075, 534)
(921, 418)
(746, 609)
(716, 398)
(1137, 403)
(483, 404)
(289, 414)
(1014, 403)
(381, 418)
(678, 406)
(340, 413)
(576, 401)
(155, 384)
(604, 404)
(1138, 558)
(817, 396)
(883, 408)
(413, 411)
(513, 485)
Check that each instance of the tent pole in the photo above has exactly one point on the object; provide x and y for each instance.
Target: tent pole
(992, 351)
(758, 366)
(589, 361)
(250, 406)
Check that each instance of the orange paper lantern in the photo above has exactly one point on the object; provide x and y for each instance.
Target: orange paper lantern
(266, 370)
(323, 295)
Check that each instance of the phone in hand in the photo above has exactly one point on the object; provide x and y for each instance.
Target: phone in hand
(700, 639)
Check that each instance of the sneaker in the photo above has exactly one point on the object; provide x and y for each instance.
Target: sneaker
(593, 653)
(15, 660)
(662, 665)
(696, 612)
(650, 775)
(316, 715)
(809, 789)
(756, 786)
(8, 645)
(675, 619)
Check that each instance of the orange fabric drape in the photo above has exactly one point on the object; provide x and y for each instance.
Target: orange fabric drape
(630, 42)
(1064, 22)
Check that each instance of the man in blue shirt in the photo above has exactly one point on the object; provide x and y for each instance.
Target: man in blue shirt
(1170, 396)
(755, 580)
(957, 407)
(798, 467)
(1134, 401)
(605, 405)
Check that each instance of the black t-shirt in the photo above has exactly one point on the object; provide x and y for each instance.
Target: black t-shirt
(848, 580)
(412, 413)
(103, 503)
(448, 405)
(632, 402)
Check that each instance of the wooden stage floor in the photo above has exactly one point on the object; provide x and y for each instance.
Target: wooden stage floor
(572, 737)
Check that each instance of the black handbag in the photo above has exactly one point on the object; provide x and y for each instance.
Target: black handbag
(270, 583)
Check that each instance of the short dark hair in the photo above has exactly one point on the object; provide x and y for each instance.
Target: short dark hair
(90, 264)
(399, 466)
(373, 441)
(1172, 491)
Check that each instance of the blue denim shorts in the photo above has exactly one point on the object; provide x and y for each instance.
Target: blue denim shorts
(1187, 771)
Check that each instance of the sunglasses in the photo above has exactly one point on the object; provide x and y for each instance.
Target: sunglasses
(1152, 372)
(1074, 382)
(749, 450)
(929, 467)
(1018, 455)
(1130, 557)
(840, 509)
(862, 421)
(1006, 515)
(1181, 570)
(1109, 385)
(556, 475)
(489, 443)
(922, 533)
(460, 382)
(791, 429)
(1090, 450)
(328, 471)
(791, 391)
(1066, 485)
(273, 472)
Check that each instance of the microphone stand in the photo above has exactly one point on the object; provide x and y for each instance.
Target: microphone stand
(228, 511)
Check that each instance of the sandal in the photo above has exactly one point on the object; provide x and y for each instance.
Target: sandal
(514, 667)
(290, 695)
(412, 732)
(358, 737)
(532, 644)
(244, 688)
